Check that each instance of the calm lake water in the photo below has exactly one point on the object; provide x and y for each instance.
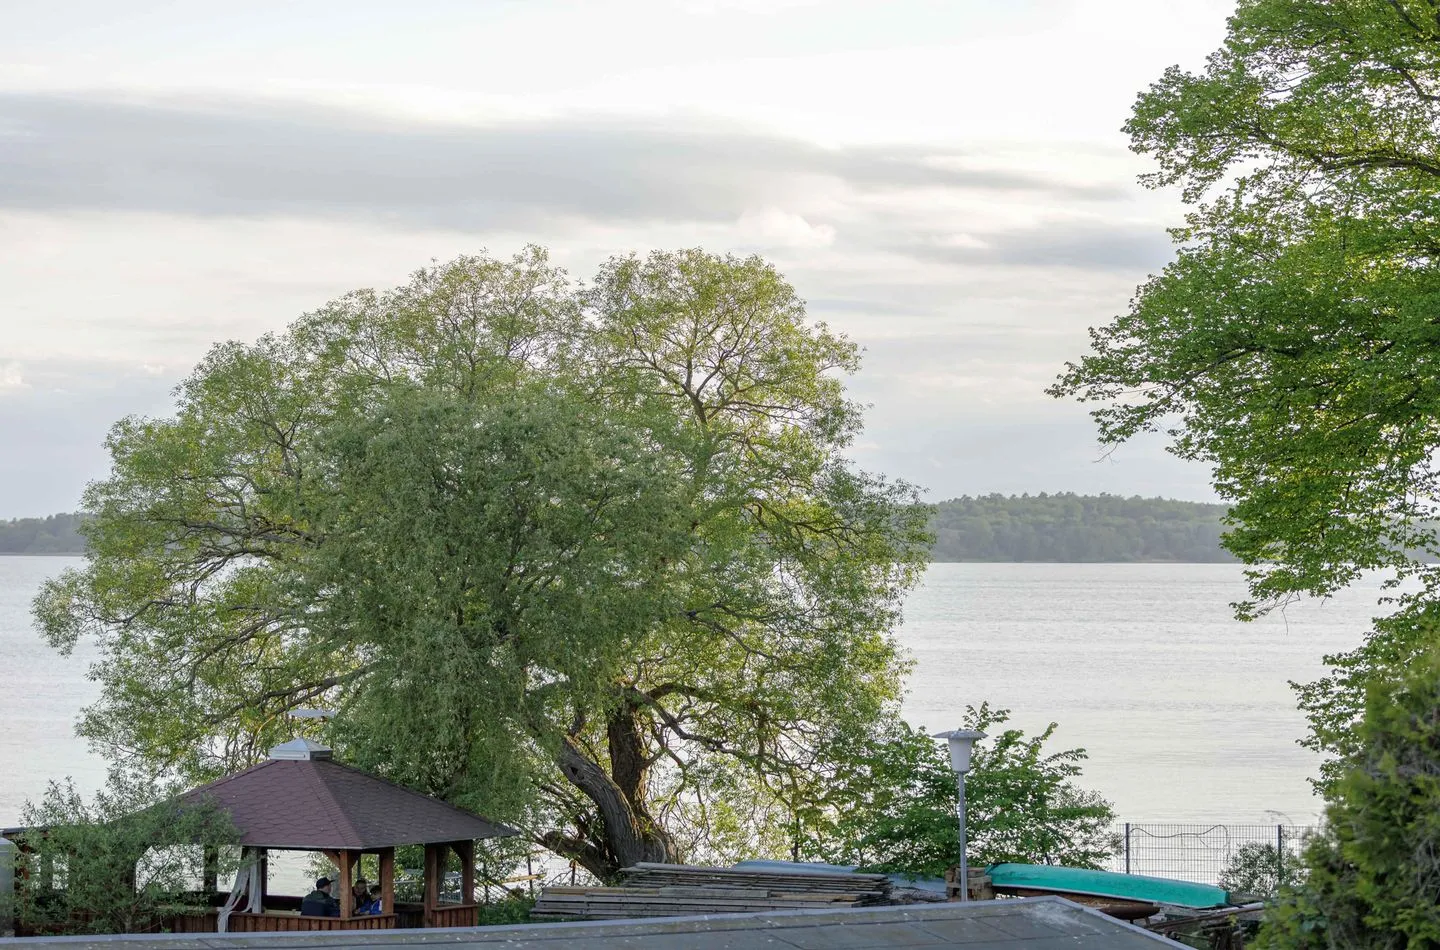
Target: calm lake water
(1185, 712)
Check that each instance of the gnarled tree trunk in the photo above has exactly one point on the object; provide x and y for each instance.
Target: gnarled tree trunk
(630, 833)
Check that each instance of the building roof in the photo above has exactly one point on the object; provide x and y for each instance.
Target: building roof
(1037, 923)
(314, 803)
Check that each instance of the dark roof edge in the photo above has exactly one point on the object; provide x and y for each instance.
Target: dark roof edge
(340, 938)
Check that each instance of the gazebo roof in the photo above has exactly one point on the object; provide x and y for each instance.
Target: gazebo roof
(302, 800)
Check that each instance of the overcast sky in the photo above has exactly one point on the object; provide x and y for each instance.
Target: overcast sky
(944, 181)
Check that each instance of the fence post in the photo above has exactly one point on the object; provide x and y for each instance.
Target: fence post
(8, 854)
(1279, 855)
(1127, 847)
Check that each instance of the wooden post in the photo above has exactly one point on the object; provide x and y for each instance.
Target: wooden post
(433, 869)
(347, 904)
(466, 851)
(387, 880)
(264, 877)
(210, 882)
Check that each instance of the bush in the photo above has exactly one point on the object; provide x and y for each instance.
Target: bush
(119, 865)
(894, 804)
(1373, 872)
(1260, 870)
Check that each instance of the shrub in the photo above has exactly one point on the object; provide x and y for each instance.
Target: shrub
(1373, 872)
(121, 864)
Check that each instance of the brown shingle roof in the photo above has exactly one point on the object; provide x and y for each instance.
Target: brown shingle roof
(315, 804)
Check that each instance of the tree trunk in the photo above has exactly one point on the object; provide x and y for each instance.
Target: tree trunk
(631, 833)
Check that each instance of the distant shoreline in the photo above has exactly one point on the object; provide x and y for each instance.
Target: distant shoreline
(1063, 528)
(932, 561)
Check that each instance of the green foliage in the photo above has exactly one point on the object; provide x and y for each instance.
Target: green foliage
(1259, 869)
(1291, 344)
(1072, 528)
(509, 910)
(590, 560)
(1371, 871)
(120, 864)
(54, 534)
(893, 803)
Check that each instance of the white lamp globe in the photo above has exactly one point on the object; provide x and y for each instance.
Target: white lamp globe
(962, 743)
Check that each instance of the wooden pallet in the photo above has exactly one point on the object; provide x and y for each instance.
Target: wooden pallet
(673, 890)
(647, 874)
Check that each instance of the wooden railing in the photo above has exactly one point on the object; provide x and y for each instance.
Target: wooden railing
(272, 922)
(453, 915)
(295, 923)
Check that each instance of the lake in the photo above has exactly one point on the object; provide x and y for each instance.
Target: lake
(1185, 712)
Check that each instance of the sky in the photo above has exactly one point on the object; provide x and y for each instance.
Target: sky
(945, 181)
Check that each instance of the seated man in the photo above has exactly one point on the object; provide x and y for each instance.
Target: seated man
(320, 902)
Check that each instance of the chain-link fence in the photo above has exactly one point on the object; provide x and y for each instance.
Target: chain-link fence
(1206, 853)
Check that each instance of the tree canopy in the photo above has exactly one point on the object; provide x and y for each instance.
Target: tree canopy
(587, 558)
(892, 806)
(1292, 344)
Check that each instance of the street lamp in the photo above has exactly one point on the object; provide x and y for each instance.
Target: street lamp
(962, 743)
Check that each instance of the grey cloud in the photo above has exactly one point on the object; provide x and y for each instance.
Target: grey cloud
(257, 158)
(1090, 245)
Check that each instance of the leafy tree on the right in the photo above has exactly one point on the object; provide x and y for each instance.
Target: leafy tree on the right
(1294, 342)
(1372, 872)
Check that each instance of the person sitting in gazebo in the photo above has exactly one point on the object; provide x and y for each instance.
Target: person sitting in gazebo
(374, 901)
(320, 902)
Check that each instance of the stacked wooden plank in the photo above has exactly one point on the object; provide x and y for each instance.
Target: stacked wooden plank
(678, 890)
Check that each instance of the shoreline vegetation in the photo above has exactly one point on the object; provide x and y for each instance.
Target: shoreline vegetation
(1058, 528)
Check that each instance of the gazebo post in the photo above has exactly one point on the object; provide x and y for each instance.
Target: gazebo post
(211, 878)
(434, 868)
(466, 851)
(264, 859)
(387, 880)
(347, 883)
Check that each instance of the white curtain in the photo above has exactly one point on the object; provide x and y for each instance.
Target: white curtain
(247, 885)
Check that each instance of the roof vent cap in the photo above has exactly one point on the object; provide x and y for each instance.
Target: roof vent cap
(301, 750)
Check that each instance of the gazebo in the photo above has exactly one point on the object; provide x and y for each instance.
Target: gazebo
(300, 799)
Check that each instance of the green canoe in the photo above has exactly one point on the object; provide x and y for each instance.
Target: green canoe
(1134, 887)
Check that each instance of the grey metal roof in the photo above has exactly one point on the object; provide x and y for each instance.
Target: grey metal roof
(1038, 923)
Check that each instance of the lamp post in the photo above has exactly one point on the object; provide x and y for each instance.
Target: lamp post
(962, 743)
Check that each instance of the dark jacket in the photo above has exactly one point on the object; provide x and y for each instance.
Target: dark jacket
(319, 904)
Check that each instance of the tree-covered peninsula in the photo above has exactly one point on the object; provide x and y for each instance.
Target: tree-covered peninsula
(1069, 527)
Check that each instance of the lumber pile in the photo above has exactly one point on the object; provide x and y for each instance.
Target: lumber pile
(679, 890)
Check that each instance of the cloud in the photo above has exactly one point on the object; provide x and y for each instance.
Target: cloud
(1087, 244)
(171, 225)
(11, 377)
(254, 158)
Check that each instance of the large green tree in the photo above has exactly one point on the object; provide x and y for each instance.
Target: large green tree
(587, 558)
(1293, 343)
